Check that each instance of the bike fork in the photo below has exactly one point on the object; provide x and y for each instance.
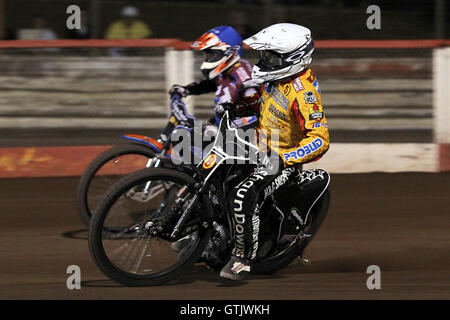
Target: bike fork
(140, 192)
(151, 165)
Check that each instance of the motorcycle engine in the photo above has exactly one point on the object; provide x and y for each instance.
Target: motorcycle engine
(216, 254)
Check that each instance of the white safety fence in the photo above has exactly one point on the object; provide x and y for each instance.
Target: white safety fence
(131, 92)
(379, 157)
(180, 70)
(441, 100)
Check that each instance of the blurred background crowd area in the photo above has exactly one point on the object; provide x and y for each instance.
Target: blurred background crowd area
(371, 94)
(184, 19)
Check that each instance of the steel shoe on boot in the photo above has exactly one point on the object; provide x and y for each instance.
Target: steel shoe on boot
(235, 269)
(304, 259)
(183, 246)
(178, 245)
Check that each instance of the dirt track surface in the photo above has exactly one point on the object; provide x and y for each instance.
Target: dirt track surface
(399, 222)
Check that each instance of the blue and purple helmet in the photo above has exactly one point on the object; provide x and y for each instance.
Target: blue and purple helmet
(222, 47)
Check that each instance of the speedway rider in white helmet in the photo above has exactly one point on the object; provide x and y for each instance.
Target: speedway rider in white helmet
(290, 106)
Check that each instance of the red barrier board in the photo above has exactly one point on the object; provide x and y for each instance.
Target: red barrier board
(185, 45)
(46, 161)
(444, 157)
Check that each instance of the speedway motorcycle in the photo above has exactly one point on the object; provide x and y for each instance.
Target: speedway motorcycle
(139, 152)
(181, 217)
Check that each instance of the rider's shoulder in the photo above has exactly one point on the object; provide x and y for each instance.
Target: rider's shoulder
(241, 70)
(298, 83)
(245, 63)
(290, 86)
(242, 64)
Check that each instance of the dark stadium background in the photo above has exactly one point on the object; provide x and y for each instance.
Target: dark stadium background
(60, 106)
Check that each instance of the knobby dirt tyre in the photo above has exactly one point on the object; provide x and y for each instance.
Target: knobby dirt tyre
(96, 227)
(274, 265)
(84, 211)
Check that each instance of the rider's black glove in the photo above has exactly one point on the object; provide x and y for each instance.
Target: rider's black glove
(179, 111)
(177, 89)
(222, 108)
(270, 160)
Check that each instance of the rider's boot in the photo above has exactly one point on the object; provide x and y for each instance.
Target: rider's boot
(235, 269)
(179, 245)
(304, 259)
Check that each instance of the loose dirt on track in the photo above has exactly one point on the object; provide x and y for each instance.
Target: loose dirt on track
(399, 222)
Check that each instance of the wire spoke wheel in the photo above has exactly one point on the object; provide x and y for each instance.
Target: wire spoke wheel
(129, 236)
(104, 171)
(110, 173)
(127, 242)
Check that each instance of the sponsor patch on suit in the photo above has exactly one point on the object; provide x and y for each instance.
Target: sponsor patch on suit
(298, 86)
(310, 97)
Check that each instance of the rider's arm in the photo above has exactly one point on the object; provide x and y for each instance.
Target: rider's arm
(249, 99)
(202, 86)
(313, 124)
(249, 105)
(165, 134)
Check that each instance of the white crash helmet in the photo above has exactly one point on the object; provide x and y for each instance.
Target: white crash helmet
(285, 50)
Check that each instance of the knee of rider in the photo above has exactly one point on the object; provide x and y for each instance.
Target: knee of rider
(242, 200)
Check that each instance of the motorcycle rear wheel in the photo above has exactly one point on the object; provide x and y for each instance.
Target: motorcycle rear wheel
(269, 266)
(87, 196)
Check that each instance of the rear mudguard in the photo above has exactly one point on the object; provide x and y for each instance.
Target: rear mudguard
(300, 197)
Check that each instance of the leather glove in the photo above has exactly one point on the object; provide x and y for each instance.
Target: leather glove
(177, 89)
(271, 160)
(179, 111)
(222, 108)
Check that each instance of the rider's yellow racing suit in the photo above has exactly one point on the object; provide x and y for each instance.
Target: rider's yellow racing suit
(291, 110)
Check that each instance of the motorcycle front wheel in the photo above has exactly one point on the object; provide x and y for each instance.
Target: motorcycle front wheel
(121, 238)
